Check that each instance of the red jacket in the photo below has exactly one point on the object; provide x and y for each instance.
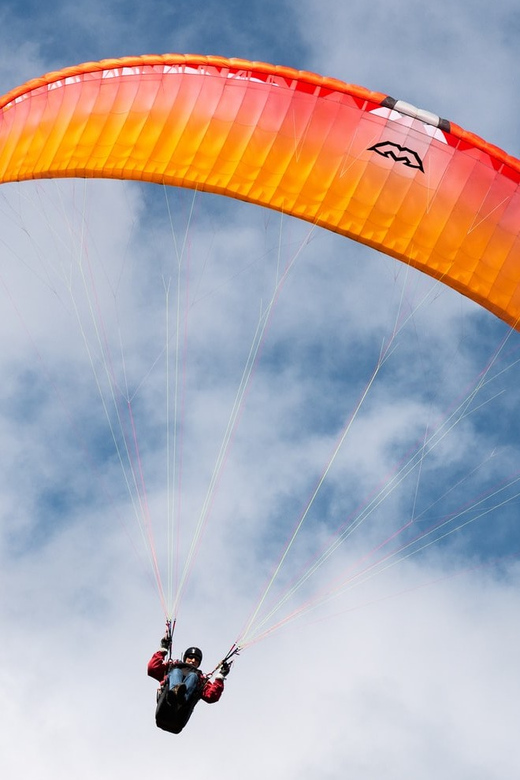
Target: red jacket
(158, 668)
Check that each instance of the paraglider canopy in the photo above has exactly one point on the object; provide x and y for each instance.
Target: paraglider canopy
(354, 161)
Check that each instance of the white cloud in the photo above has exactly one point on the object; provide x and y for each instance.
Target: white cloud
(454, 59)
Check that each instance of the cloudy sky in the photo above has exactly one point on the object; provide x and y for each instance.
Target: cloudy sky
(402, 659)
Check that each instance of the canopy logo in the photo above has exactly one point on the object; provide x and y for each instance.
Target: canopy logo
(398, 153)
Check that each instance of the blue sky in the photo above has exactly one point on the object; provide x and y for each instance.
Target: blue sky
(412, 672)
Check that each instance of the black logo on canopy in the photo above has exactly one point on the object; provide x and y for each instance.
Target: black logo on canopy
(399, 154)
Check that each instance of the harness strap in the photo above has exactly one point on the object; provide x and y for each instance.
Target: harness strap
(170, 628)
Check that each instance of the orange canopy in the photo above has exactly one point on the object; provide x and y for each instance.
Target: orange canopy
(353, 161)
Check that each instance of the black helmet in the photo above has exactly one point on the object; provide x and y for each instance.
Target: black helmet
(193, 652)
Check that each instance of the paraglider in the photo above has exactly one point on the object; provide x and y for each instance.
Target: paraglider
(183, 685)
(354, 161)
